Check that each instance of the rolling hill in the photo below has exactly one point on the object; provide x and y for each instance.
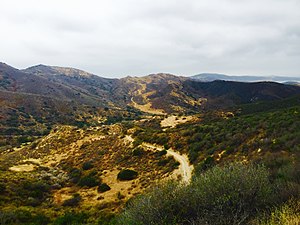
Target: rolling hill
(78, 147)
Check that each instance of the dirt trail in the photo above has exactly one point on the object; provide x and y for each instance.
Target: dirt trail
(185, 168)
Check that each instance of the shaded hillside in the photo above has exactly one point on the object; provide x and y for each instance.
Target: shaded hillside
(178, 94)
(224, 94)
(80, 81)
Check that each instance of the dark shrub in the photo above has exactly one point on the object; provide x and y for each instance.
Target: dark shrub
(2, 188)
(162, 152)
(75, 175)
(87, 166)
(103, 188)
(127, 174)
(74, 201)
(88, 181)
(138, 151)
(163, 162)
(71, 218)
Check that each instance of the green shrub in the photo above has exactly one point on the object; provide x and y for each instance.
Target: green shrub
(162, 152)
(75, 175)
(106, 219)
(232, 194)
(87, 165)
(71, 218)
(287, 214)
(127, 174)
(138, 151)
(40, 219)
(103, 188)
(88, 181)
(22, 216)
(74, 201)
(2, 188)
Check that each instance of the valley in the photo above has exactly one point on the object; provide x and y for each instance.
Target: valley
(78, 147)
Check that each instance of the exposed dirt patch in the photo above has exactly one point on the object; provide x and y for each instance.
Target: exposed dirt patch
(173, 121)
(23, 168)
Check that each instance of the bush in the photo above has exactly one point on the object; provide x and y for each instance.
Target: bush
(138, 151)
(74, 201)
(127, 174)
(162, 152)
(2, 188)
(75, 175)
(87, 166)
(22, 216)
(232, 194)
(70, 218)
(88, 181)
(103, 188)
(287, 214)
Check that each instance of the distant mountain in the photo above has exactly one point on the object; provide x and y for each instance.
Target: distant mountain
(208, 77)
(156, 93)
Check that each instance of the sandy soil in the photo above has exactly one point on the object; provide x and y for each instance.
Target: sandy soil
(172, 121)
(23, 168)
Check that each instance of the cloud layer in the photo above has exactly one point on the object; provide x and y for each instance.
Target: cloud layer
(136, 37)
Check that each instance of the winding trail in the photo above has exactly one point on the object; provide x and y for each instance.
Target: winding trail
(185, 168)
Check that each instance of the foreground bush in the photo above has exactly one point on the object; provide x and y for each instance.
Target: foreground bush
(232, 194)
(287, 214)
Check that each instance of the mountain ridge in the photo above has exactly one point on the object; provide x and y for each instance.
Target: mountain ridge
(208, 77)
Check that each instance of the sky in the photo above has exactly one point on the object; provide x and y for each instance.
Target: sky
(117, 38)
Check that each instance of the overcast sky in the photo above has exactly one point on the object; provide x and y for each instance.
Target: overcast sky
(116, 38)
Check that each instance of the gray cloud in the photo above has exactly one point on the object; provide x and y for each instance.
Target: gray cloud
(138, 37)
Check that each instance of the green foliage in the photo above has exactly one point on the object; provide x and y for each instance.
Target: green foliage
(288, 214)
(87, 165)
(232, 194)
(138, 151)
(162, 152)
(71, 218)
(271, 131)
(103, 188)
(23, 216)
(34, 192)
(2, 188)
(127, 174)
(209, 162)
(89, 181)
(74, 201)
(75, 175)
(106, 219)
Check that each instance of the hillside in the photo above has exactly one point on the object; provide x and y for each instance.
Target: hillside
(78, 147)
